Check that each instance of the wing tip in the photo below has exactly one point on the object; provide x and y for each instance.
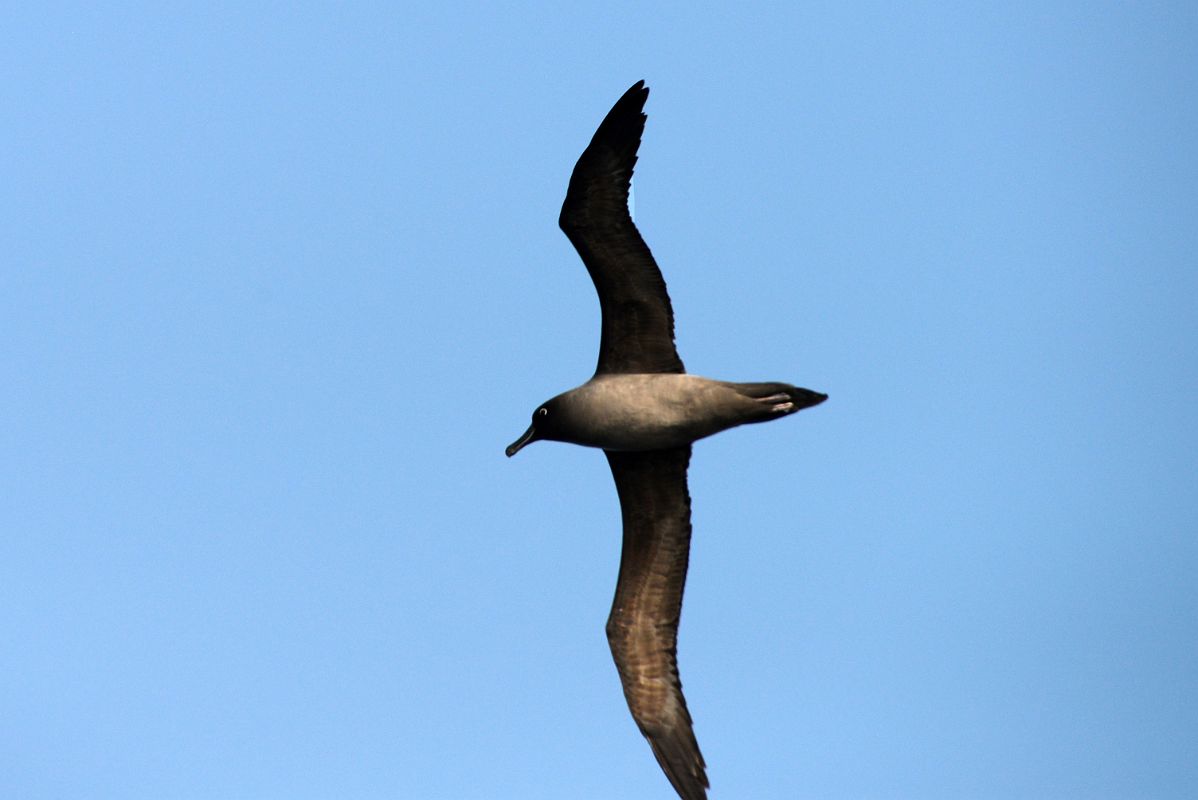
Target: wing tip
(683, 765)
(609, 157)
(639, 93)
(628, 111)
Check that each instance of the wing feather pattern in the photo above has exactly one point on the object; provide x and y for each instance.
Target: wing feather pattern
(643, 627)
(638, 321)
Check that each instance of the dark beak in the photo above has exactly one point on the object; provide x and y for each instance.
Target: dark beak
(528, 436)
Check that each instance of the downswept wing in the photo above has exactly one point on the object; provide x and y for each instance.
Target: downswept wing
(638, 321)
(643, 627)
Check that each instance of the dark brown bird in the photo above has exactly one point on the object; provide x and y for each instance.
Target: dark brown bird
(644, 411)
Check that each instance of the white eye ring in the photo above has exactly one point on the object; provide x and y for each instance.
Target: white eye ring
(542, 411)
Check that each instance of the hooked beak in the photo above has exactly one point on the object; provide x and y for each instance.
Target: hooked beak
(526, 437)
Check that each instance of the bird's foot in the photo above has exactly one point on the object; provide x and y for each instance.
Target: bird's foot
(779, 403)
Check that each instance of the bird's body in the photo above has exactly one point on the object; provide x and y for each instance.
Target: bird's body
(653, 411)
(644, 411)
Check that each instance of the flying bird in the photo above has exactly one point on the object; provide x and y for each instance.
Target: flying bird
(644, 411)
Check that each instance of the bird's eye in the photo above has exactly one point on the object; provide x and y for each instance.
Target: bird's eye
(543, 411)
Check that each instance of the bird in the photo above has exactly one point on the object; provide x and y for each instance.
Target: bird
(644, 411)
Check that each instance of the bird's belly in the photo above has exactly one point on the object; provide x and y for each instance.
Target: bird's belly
(634, 431)
(650, 412)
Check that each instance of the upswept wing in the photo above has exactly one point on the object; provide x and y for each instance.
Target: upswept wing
(638, 321)
(643, 627)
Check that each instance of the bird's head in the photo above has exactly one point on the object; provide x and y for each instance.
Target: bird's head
(545, 422)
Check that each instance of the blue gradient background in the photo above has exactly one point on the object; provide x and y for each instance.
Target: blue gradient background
(279, 283)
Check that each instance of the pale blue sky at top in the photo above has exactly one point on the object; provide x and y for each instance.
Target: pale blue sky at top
(280, 282)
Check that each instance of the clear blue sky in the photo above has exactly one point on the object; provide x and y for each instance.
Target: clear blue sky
(279, 285)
